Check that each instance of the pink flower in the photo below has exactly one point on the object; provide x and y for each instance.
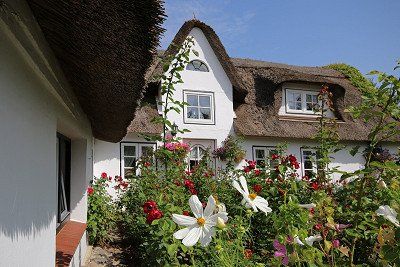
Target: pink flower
(336, 243)
(281, 252)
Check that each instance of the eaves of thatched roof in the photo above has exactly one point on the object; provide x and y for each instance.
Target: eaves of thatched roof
(104, 49)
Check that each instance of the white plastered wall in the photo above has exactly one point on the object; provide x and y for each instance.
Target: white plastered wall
(35, 104)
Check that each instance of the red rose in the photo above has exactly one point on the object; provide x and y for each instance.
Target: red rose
(90, 191)
(318, 226)
(248, 253)
(257, 172)
(104, 175)
(314, 185)
(186, 213)
(154, 215)
(257, 188)
(274, 156)
(189, 184)
(147, 164)
(149, 205)
(193, 191)
(252, 165)
(246, 169)
(312, 211)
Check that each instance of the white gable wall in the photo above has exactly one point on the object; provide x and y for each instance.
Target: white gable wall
(215, 81)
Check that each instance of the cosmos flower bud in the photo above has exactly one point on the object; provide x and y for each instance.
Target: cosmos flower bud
(220, 223)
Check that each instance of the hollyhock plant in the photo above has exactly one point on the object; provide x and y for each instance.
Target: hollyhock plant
(201, 226)
(251, 200)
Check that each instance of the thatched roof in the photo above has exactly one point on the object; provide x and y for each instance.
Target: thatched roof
(239, 92)
(104, 49)
(258, 116)
(142, 123)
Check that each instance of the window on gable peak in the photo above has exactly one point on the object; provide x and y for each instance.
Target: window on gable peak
(302, 101)
(197, 65)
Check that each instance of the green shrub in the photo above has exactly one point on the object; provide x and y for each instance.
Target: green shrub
(101, 217)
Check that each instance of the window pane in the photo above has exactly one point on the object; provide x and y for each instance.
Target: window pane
(298, 105)
(260, 153)
(310, 106)
(194, 153)
(308, 165)
(192, 100)
(129, 162)
(147, 151)
(205, 113)
(193, 113)
(308, 98)
(297, 97)
(260, 163)
(130, 151)
(205, 101)
(201, 152)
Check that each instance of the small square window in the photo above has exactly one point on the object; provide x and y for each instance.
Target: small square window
(300, 101)
(199, 108)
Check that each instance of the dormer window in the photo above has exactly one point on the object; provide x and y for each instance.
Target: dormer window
(301, 101)
(197, 65)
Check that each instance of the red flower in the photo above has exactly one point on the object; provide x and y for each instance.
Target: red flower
(149, 205)
(154, 215)
(193, 191)
(147, 164)
(248, 253)
(312, 211)
(90, 191)
(246, 169)
(104, 175)
(274, 156)
(186, 213)
(293, 161)
(314, 186)
(189, 184)
(177, 183)
(318, 226)
(257, 172)
(257, 188)
(252, 164)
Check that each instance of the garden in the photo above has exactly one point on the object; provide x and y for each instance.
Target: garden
(261, 214)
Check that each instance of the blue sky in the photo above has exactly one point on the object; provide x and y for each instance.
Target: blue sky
(362, 33)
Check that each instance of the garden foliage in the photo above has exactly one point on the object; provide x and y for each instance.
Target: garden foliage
(268, 215)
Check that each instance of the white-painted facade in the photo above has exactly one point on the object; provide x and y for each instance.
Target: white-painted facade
(108, 157)
(36, 103)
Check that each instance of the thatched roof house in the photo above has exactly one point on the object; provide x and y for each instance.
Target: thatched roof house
(104, 49)
(258, 94)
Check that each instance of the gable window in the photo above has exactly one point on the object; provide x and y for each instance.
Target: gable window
(197, 65)
(309, 162)
(63, 151)
(130, 154)
(262, 156)
(199, 108)
(196, 154)
(301, 101)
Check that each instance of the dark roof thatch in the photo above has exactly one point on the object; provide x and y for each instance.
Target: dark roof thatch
(104, 49)
(239, 92)
(259, 115)
(142, 123)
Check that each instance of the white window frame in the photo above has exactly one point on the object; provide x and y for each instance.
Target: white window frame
(303, 94)
(267, 150)
(138, 154)
(198, 159)
(314, 168)
(199, 121)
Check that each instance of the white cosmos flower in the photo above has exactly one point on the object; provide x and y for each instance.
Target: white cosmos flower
(311, 239)
(200, 227)
(307, 206)
(298, 241)
(251, 200)
(389, 213)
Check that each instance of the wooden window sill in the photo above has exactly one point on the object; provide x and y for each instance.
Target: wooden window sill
(67, 240)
